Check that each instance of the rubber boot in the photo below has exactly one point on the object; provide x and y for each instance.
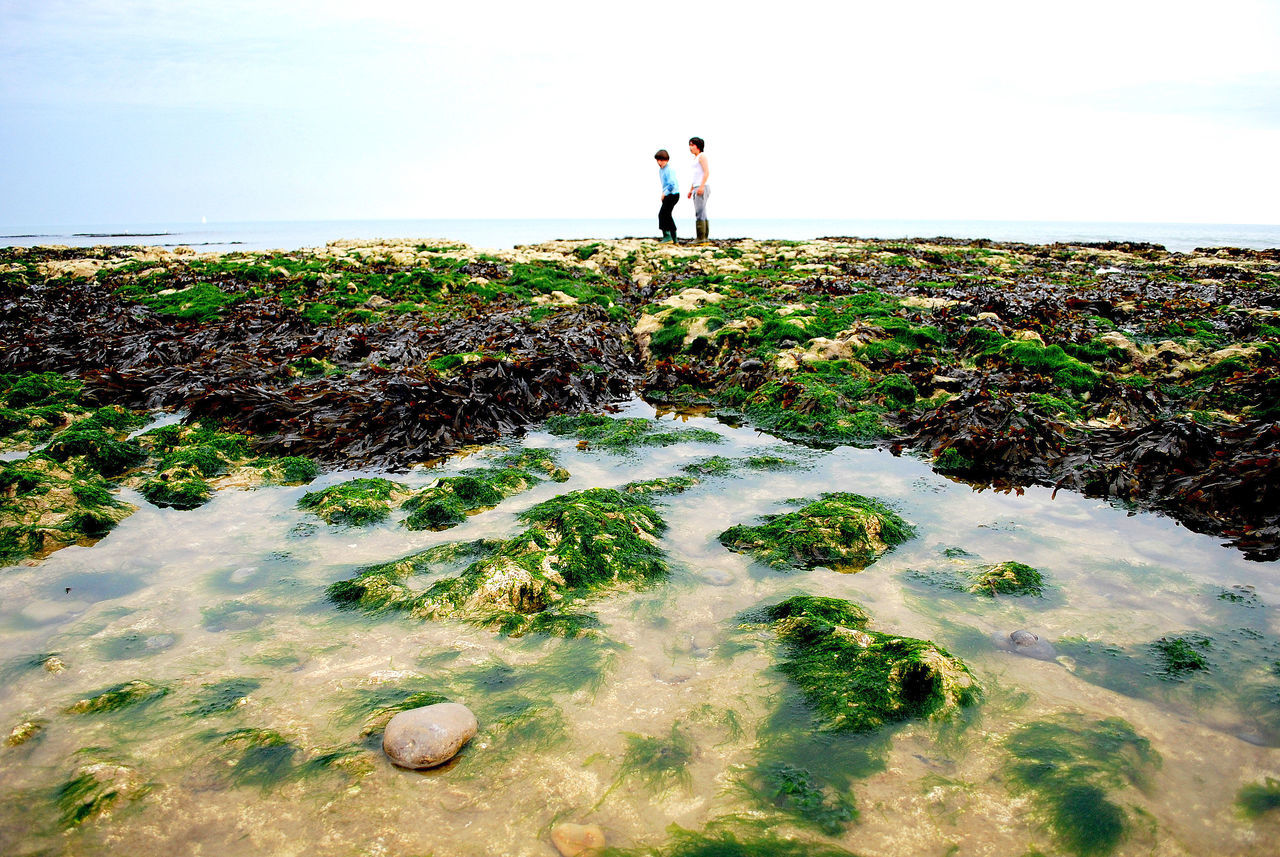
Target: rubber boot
(667, 238)
(702, 230)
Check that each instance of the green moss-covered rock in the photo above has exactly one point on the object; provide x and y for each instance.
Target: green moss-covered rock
(841, 529)
(45, 505)
(223, 696)
(26, 732)
(356, 502)
(1180, 655)
(576, 544)
(125, 695)
(617, 434)
(192, 460)
(800, 796)
(1070, 766)
(1008, 578)
(95, 788)
(661, 485)
(859, 680)
(450, 499)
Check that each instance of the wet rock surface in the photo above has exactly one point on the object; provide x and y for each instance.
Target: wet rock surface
(428, 736)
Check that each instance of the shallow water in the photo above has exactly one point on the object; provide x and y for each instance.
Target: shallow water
(235, 590)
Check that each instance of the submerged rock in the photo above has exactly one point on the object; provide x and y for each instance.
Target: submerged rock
(573, 839)
(859, 680)
(1027, 644)
(1008, 578)
(839, 529)
(428, 736)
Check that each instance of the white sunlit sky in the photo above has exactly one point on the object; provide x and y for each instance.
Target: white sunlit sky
(135, 111)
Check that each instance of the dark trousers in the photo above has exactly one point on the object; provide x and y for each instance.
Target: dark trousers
(667, 223)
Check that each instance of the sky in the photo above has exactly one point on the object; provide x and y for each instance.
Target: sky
(142, 111)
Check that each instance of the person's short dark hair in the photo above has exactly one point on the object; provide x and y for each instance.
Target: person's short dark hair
(662, 155)
(699, 142)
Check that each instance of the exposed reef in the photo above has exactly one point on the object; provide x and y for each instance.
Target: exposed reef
(1118, 370)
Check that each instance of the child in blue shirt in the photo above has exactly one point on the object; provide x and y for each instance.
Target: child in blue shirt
(670, 196)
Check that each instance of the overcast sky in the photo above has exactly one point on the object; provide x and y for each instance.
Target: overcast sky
(130, 111)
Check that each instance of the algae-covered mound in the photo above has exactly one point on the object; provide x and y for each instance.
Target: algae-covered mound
(450, 499)
(116, 697)
(1070, 765)
(95, 788)
(194, 459)
(841, 529)
(1008, 578)
(726, 843)
(576, 544)
(618, 434)
(355, 502)
(45, 505)
(859, 680)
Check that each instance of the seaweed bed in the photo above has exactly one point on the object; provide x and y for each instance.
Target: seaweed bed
(1118, 370)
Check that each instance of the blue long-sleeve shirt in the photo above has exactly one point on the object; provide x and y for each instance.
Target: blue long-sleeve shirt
(668, 177)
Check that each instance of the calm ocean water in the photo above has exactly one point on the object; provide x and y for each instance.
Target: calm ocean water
(503, 234)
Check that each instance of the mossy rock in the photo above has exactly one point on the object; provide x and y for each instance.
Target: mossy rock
(95, 788)
(660, 486)
(223, 696)
(125, 695)
(619, 435)
(451, 499)
(178, 488)
(356, 502)
(576, 545)
(1008, 578)
(840, 529)
(45, 505)
(1070, 765)
(99, 446)
(859, 680)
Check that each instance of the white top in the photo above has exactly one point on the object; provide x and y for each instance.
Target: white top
(697, 169)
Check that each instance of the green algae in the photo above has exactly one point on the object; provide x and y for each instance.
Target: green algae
(374, 706)
(1070, 765)
(727, 843)
(657, 762)
(1007, 578)
(451, 499)
(266, 759)
(27, 732)
(799, 795)
(134, 645)
(622, 435)
(233, 615)
(381, 587)
(661, 485)
(95, 789)
(1180, 655)
(1255, 800)
(189, 456)
(355, 503)
(45, 506)
(130, 694)
(222, 697)
(859, 680)
(839, 529)
(576, 544)
(716, 465)
(826, 404)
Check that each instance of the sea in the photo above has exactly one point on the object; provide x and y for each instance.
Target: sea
(501, 234)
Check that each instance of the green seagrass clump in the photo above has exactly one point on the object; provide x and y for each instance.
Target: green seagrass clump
(356, 502)
(1071, 765)
(625, 434)
(1008, 578)
(125, 695)
(858, 680)
(95, 788)
(450, 499)
(1257, 799)
(841, 529)
(190, 457)
(45, 505)
(575, 545)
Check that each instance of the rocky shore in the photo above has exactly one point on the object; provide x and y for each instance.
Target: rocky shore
(1118, 370)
